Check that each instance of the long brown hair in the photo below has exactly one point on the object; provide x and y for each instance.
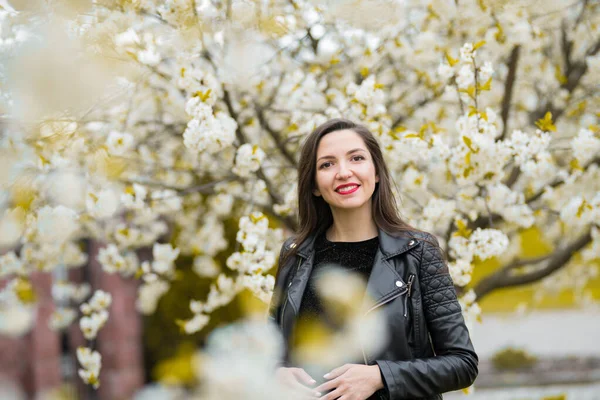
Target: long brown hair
(314, 214)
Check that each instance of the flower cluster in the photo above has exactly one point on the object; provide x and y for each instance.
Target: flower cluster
(64, 293)
(500, 199)
(95, 313)
(470, 309)
(586, 146)
(91, 361)
(248, 160)
(205, 131)
(369, 95)
(482, 243)
(113, 262)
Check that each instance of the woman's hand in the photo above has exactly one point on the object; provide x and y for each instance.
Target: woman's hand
(298, 381)
(352, 382)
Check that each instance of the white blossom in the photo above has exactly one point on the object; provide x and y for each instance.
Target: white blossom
(487, 243)
(62, 318)
(585, 146)
(103, 203)
(149, 294)
(119, 143)
(248, 159)
(91, 361)
(134, 197)
(195, 324)
(212, 134)
(205, 266)
(164, 258)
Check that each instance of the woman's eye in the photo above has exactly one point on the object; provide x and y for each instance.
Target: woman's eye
(324, 165)
(358, 157)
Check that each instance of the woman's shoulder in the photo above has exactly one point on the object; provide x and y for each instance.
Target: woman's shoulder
(289, 244)
(418, 235)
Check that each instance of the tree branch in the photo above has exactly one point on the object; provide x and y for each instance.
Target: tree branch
(508, 88)
(275, 199)
(278, 142)
(503, 278)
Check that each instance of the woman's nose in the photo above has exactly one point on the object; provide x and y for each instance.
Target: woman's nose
(344, 172)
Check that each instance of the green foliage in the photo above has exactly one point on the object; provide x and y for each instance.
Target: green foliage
(513, 359)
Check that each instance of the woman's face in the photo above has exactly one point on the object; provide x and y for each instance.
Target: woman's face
(345, 171)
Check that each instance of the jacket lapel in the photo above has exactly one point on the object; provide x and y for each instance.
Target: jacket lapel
(384, 280)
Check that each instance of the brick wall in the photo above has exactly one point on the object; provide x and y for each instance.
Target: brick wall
(33, 361)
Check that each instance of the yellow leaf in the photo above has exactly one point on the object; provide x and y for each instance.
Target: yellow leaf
(472, 110)
(482, 5)
(462, 229)
(467, 172)
(485, 86)
(203, 95)
(451, 61)
(499, 36)
(470, 91)
(364, 71)
(378, 86)
(334, 60)
(468, 158)
(559, 75)
(545, 124)
(24, 291)
(478, 45)
(412, 135)
(579, 110)
(584, 205)
(432, 12)
(469, 144)
(23, 194)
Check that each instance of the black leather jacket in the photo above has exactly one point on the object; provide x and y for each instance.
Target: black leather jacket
(430, 351)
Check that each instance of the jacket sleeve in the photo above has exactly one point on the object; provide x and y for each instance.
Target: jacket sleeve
(278, 292)
(454, 365)
(279, 286)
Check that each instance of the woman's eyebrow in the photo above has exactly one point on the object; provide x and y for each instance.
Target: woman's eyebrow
(349, 152)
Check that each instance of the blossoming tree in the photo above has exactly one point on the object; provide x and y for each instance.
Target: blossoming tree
(146, 123)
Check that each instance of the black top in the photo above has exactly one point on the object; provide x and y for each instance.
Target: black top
(356, 257)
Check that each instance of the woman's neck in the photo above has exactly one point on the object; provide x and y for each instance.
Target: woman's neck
(351, 226)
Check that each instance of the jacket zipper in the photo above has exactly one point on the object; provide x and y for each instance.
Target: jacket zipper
(382, 302)
(411, 278)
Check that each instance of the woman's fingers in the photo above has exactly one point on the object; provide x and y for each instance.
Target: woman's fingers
(332, 384)
(303, 391)
(303, 377)
(337, 372)
(332, 395)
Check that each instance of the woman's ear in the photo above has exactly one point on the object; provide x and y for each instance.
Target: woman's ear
(376, 178)
(316, 192)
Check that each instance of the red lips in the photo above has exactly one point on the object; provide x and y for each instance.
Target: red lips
(346, 185)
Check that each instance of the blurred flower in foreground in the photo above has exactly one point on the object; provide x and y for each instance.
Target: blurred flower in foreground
(239, 362)
(351, 330)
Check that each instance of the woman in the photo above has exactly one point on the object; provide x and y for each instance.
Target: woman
(348, 216)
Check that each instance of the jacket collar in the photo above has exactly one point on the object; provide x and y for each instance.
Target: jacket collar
(390, 245)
